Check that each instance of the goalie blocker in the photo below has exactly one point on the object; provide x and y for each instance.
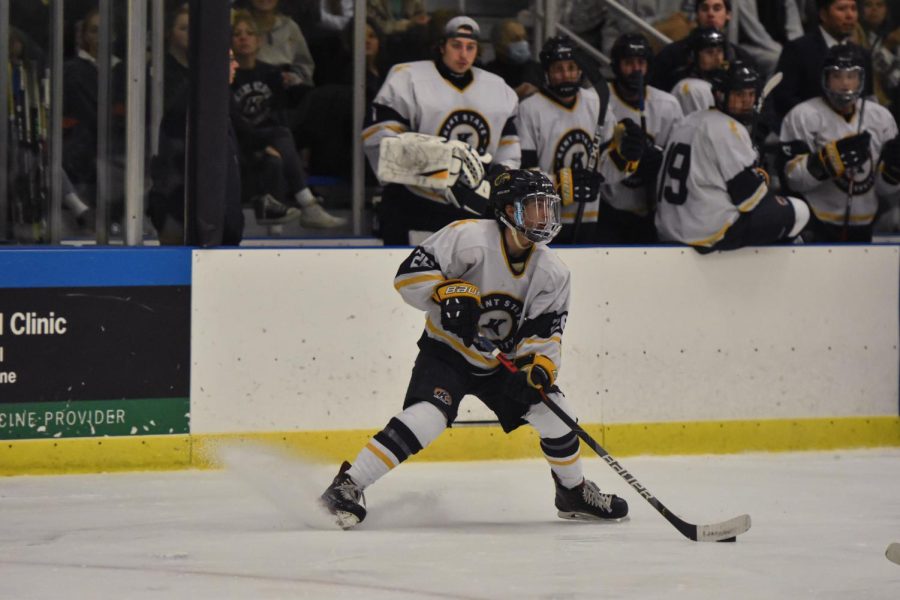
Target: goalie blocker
(450, 167)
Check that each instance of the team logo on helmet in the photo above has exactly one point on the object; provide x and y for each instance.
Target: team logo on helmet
(572, 150)
(500, 316)
(467, 126)
(502, 178)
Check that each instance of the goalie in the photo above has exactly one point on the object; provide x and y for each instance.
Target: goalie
(434, 129)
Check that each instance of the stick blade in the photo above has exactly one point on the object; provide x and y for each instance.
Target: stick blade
(772, 83)
(724, 530)
(893, 552)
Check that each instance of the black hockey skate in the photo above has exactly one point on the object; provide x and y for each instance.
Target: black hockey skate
(584, 502)
(344, 499)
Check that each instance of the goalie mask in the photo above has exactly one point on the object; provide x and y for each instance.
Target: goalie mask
(556, 49)
(535, 205)
(630, 45)
(843, 75)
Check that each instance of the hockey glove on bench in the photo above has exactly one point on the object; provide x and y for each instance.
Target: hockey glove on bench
(537, 375)
(837, 156)
(460, 303)
(627, 146)
(577, 185)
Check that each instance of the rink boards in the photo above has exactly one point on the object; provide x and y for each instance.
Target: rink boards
(665, 352)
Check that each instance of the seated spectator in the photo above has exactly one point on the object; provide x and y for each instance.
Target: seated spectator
(802, 59)
(843, 167)
(282, 44)
(707, 55)
(390, 23)
(513, 61)
(671, 64)
(259, 92)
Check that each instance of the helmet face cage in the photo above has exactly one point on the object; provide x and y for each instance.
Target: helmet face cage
(843, 59)
(544, 209)
(739, 76)
(703, 38)
(536, 206)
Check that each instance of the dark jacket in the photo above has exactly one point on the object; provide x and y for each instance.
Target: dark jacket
(801, 63)
(672, 64)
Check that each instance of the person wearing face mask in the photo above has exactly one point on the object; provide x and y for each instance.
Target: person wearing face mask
(513, 61)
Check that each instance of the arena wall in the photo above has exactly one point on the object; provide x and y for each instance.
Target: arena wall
(665, 351)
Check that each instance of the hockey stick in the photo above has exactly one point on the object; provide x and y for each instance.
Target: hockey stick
(851, 178)
(767, 89)
(726, 531)
(893, 552)
(602, 88)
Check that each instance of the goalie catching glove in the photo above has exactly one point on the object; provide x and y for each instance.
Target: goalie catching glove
(532, 377)
(837, 156)
(460, 303)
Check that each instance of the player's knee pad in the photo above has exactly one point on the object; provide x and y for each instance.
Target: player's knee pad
(801, 216)
(547, 424)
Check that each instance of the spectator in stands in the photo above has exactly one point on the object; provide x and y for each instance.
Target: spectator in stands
(882, 40)
(752, 35)
(282, 44)
(267, 147)
(672, 63)
(513, 60)
(80, 117)
(413, 14)
(176, 70)
(585, 18)
(802, 59)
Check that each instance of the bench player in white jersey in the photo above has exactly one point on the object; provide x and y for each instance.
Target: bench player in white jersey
(833, 148)
(627, 206)
(711, 194)
(497, 279)
(445, 97)
(706, 49)
(556, 131)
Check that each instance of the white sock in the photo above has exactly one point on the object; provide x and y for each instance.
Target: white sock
(305, 197)
(568, 468)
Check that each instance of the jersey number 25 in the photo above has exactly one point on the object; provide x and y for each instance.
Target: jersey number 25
(673, 183)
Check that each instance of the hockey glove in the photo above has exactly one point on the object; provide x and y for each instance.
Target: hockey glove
(648, 168)
(462, 196)
(460, 303)
(539, 374)
(837, 156)
(466, 164)
(890, 160)
(627, 146)
(577, 185)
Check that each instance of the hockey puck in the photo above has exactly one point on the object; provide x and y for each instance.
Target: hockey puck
(731, 539)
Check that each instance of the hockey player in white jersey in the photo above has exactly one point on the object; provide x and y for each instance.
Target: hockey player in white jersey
(627, 206)
(497, 279)
(711, 194)
(838, 145)
(706, 49)
(557, 128)
(450, 98)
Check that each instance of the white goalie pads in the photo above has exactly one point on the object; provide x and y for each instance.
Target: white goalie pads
(429, 161)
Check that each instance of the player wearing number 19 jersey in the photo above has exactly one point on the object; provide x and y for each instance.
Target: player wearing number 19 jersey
(711, 194)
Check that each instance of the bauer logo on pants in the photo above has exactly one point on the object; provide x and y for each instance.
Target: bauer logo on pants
(444, 396)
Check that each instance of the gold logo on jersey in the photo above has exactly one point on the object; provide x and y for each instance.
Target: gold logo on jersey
(467, 126)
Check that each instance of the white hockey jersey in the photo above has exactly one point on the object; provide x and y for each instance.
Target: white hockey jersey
(693, 94)
(661, 114)
(816, 123)
(707, 150)
(522, 313)
(418, 98)
(563, 137)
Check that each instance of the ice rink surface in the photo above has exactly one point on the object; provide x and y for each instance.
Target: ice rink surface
(821, 523)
